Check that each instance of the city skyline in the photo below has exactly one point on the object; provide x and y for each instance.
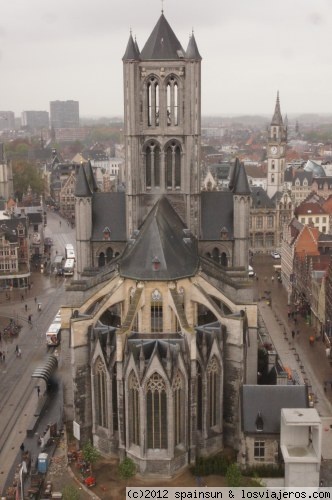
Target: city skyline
(250, 51)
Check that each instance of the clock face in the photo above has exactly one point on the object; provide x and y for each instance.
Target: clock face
(274, 150)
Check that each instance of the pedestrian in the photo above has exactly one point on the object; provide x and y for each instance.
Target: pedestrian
(26, 307)
(0, 336)
(22, 447)
(35, 300)
(38, 390)
(272, 279)
(30, 319)
(295, 320)
(3, 356)
(22, 297)
(293, 334)
(16, 349)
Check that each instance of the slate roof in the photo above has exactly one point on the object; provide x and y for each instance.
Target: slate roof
(163, 241)
(269, 400)
(238, 180)
(162, 44)
(132, 52)
(85, 182)
(109, 210)
(192, 49)
(216, 213)
(260, 198)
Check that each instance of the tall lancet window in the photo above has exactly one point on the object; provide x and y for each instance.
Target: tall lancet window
(134, 410)
(213, 390)
(100, 393)
(173, 166)
(156, 311)
(153, 102)
(178, 406)
(172, 93)
(156, 412)
(152, 165)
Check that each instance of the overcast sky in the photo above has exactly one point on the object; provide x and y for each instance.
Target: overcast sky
(72, 49)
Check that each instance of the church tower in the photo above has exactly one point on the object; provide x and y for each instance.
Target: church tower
(276, 152)
(162, 123)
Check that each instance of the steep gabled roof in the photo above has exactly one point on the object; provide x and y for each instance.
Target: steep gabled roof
(260, 198)
(162, 44)
(162, 250)
(132, 52)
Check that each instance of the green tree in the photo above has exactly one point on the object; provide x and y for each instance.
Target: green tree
(69, 492)
(127, 469)
(24, 175)
(90, 453)
(233, 476)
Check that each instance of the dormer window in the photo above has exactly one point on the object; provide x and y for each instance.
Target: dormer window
(106, 233)
(259, 422)
(155, 264)
(224, 234)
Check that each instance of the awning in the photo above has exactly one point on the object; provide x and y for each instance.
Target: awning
(47, 369)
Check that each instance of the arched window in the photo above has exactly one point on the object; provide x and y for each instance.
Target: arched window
(215, 254)
(199, 397)
(153, 102)
(156, 412)
(134, 410)
(152, 165)
(272, 165)
(109, 254)
(100, 393)
(101, 259)
(173, 166)
(178, 406)
(213, 387)
(156, 311)
(223, 259)
(172, 93)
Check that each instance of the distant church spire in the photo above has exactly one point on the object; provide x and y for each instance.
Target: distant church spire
(277, 118)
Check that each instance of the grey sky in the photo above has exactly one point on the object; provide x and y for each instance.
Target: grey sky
(69, 49)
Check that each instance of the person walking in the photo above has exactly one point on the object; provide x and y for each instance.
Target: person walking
(22, 447)
(293, 334)
(35, 300)
(26, 307)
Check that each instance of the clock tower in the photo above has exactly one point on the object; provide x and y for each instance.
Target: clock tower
(276, 152)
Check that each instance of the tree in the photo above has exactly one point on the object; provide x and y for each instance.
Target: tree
(24, 175)
(127, 468)
(90, 453)
(233, 476)
(70, 493)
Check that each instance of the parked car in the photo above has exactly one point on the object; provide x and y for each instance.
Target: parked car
(276, 255)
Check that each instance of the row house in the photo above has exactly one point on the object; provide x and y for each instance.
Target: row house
(268, 218)
(14, 253)
(313, 214)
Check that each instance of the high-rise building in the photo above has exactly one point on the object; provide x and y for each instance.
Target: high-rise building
(7, 120)
(64, 114)
(35, 119)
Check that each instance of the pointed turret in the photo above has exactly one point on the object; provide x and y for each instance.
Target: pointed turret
(192, 49)
(239, 182)
(277, 118)
(82, 188)
(162, 44)
(132, 52)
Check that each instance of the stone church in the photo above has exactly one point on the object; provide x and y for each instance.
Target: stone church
(162, 320)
